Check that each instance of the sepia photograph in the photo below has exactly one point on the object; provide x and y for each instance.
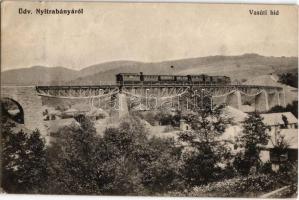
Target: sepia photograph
(149, 99)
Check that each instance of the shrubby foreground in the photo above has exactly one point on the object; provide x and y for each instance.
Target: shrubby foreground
(125, 161)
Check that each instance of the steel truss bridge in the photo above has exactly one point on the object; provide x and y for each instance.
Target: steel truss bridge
(153, 96)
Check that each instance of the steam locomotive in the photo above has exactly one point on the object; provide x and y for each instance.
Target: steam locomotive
(202, 79)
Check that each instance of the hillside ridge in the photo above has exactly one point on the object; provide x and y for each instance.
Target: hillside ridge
(238, 67)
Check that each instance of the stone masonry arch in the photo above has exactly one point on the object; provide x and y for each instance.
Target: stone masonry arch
(31, 104)
(18, 117)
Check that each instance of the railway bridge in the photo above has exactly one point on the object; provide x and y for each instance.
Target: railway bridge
(120, 99)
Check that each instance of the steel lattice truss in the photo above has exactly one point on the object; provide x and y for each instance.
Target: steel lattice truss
(143, 97)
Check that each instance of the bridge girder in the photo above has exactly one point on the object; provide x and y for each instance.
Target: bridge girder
(164, 92)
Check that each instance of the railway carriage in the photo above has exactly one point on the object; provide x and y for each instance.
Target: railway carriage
(182, 79)
(215, 80)
(197, 79)
(166, 79)
(227, 80)
(128, 78)
(208, 80)
(152, 79)
(202, 79)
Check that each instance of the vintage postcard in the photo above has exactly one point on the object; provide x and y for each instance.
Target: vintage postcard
(149, 99)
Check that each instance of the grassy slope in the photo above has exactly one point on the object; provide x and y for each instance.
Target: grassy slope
(237, 67)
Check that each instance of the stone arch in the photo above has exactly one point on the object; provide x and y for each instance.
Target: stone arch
(31, 104)
(7, 109)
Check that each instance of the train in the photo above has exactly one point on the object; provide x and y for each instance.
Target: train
(140, 78)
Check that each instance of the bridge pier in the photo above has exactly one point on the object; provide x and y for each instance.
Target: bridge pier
(161, 94)
(119, 108)
(234, 99)
(274, 99)
(278, 98)
(261, 102)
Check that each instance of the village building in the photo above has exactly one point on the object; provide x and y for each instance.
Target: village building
(280, 120)
(283, 126)
(184, 126)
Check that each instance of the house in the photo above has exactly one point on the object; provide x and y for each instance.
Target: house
(54, 126)
(283, 126)
(289, 153)
(280, 120)
(184, 126)
(96, 114)
(290, 136)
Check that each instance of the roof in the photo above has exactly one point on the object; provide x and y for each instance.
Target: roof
(71, 110)
(276, 118)
(128, 74)
(96, 112)
(54, 126)
(235, 114)
(246, 108)
(231, 133)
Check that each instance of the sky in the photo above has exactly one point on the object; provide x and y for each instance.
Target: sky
(146, 32)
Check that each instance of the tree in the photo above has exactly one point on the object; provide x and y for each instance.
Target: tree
(280, 148)
(293, 108)
(253, 137)
(119, 173)
(134, 164)
(159, 165)
(290, 79)
(165, 117)
(23, 160)
(285, 121)
(205, 150)
(277, 109)
(288, 169)
(72, 160)
(124, 161)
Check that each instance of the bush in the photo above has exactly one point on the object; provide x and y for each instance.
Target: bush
(290, 79)
(254, 135)
(73, 160)
(122, 162)
(238, 187)
(266, 168)
(160, 165)
(150, 117)
(154, 161)
(205, 152)
(168, 129)
(293, 108)
(168, 118)
(24, 161)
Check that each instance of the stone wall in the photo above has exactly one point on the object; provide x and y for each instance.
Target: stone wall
(31, 103)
